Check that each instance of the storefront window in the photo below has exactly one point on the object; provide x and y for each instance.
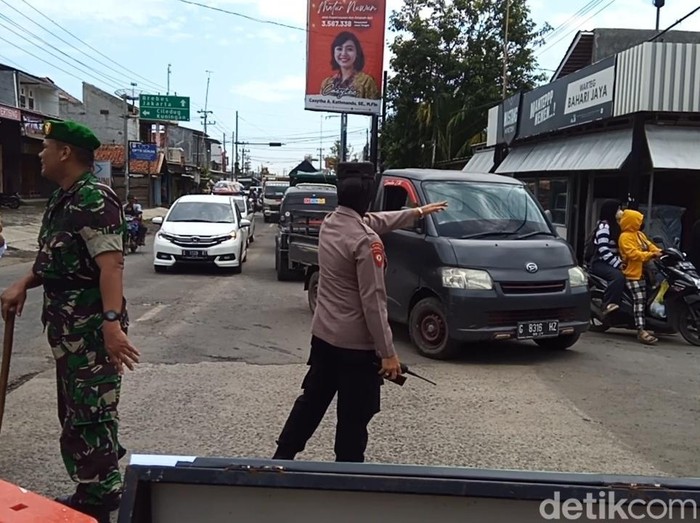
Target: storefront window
(553, 196)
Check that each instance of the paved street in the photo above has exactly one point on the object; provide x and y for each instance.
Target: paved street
(223, 357)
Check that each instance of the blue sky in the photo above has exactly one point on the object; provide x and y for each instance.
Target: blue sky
(257, 69)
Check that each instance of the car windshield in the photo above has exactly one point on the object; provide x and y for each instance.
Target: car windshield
(480, 210)
(275, 190)
(207, 212)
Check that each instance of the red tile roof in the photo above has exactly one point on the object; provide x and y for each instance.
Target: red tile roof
(115, 154)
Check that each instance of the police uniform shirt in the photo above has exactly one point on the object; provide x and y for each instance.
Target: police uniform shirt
(351, 311)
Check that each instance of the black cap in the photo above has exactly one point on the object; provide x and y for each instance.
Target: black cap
(361, 170)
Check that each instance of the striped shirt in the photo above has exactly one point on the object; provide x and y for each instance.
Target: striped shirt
(606, 248)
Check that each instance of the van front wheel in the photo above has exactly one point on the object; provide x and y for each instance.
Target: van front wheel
(430, 332)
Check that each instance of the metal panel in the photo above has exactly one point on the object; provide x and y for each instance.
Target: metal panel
(674, 147)
(594, 152)
(657, 76)
(481, 162)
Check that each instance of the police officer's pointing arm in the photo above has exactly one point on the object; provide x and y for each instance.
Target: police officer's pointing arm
(387, 221)
(369, 262)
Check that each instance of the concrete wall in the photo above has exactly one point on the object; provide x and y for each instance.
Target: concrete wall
(609, 42)
(193, 145)
(8, 95)
(103, 113)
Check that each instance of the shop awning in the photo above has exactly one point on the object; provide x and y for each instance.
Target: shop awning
(674, 147)
(481, 162)
(605, 151)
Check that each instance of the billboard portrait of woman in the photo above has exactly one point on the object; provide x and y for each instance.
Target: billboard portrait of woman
(348, 60)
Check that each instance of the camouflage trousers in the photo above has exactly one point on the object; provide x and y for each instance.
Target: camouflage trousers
(88, 397)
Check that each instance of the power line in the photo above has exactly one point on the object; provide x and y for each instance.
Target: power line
(241, 15)
(585, 9)
(675, 24)
(133, 73)
(553, 44)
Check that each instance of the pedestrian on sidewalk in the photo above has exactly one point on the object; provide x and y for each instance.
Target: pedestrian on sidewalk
(80, 266)
(351, 346)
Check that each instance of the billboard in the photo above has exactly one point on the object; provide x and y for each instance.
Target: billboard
(345, 56)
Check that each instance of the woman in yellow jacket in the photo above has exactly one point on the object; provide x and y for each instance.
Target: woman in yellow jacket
(635, 250)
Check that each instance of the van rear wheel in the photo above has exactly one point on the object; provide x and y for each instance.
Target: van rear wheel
(430, 332)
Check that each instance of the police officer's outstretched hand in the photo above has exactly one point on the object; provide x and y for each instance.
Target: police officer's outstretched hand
(432, 208)
(391, 367)
(120, 350)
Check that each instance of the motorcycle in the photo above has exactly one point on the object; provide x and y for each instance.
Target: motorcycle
(133, 233)
(673, 299)
(12, 201)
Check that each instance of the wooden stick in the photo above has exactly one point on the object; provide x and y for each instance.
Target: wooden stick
(5, 368)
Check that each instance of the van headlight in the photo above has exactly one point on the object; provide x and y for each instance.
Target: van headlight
(577, 277)
(472, 279)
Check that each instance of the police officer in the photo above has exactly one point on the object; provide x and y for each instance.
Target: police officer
(80, 266)
(351, 345)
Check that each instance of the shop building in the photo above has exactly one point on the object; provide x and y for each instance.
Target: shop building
(624, 126)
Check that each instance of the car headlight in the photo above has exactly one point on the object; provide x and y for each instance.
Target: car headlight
(471, 279)
(577, 277)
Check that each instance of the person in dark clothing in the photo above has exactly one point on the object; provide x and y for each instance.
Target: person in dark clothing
(607, 263)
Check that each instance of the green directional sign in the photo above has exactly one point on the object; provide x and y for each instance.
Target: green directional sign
(164, 108)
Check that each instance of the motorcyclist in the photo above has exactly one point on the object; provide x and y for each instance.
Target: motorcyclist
(134, 211)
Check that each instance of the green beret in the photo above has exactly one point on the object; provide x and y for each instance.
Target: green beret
(71, 133)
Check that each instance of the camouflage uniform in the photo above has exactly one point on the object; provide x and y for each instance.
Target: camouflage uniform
(78, 224)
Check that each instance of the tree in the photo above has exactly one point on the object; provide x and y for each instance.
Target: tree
(333, 159)
(448, 68)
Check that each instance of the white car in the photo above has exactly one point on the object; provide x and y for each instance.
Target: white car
(201, 229)
(248, 213)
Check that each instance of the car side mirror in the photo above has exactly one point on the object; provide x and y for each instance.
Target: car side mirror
(158, 220)
(245, 223)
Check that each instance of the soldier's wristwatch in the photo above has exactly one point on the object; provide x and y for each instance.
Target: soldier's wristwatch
(111, 316)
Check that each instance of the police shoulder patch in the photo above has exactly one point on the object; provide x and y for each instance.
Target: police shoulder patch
(378, 253)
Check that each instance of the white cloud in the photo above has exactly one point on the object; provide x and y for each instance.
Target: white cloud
(286, 88)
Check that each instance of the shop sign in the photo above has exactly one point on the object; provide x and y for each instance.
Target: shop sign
(581, 97)
(508, 118)
(10, 113)
(33, 126)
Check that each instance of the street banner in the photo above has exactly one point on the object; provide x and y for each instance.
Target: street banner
(345, 56)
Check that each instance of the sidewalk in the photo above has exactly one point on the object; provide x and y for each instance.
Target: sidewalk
(21, 227)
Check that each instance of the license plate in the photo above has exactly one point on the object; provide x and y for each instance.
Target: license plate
(528, 330)
(194, 254)
(314, 201)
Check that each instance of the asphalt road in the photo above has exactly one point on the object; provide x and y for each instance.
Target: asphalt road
(223, 357)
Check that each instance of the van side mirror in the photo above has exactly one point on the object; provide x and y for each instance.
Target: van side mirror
(549, 215)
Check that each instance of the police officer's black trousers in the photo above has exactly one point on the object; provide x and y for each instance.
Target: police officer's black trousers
(354, 376)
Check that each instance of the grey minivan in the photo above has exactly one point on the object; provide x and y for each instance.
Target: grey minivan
(490, 267)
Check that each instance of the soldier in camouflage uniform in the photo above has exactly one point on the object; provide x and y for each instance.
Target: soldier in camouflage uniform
(80, 265)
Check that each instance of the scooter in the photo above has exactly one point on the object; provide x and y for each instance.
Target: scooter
(673, 299)
(12, 201)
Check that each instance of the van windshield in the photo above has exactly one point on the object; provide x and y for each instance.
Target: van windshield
(479, 210)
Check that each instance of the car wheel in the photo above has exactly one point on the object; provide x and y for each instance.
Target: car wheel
(283, 272)
(312, 293)
(239, 268)
(429, 330)
(560, 342)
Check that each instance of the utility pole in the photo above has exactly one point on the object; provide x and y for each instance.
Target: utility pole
(505, 51)
(126, 95)
(168, 93)
(205, 117)
(343, 137)
(658, 4)
(237, 139)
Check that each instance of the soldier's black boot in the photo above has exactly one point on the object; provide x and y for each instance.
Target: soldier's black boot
(99, 512)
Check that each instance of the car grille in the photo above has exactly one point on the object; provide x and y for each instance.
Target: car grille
(507, 318)
(533, 287)
(195, 242)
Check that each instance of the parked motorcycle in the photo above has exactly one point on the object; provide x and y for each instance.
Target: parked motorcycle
(12, 201)
(673, 299)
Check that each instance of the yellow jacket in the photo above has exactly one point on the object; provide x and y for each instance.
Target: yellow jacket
(635, 248)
